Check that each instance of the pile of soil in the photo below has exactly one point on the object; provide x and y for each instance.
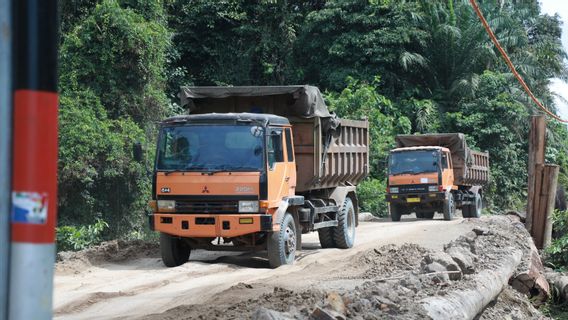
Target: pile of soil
(391, 282)
(106, 252)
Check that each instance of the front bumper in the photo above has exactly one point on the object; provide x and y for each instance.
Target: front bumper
(210, 225)
(415, 198)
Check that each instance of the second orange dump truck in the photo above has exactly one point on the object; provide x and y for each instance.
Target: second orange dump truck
(254, 168)
(431, 173)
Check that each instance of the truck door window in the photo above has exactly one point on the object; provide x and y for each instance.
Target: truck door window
(445, 160)
(289, 145)
(275, 151)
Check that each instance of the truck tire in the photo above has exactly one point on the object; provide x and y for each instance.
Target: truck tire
(428, 215)
(466, 211)
(449, 207)
(325, 236)
(475, 209)
(174, 251)
(395, 212)
(344, 233)
(281, 245)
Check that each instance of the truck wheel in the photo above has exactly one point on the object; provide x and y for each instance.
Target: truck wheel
(466, 211)
(281, 245)
(325, 236)
(420, 215)
(344, 233)
(449, 207)
(475, 209)
(428, 215)
(395, 212)
(174, 250)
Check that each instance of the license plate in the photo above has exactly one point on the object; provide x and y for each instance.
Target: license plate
(412, 199)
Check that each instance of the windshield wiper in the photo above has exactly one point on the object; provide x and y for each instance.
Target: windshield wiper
(185, 169)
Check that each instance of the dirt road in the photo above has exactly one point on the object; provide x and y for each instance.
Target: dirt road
(143, 286)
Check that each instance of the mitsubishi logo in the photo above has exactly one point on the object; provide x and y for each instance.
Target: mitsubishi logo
(205, 190)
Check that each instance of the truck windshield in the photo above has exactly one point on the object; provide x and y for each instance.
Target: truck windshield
(413, 162)
(211, 148)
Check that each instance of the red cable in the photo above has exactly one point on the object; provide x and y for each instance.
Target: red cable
(510, 64)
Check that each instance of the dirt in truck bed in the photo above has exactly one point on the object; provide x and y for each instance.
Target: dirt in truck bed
(384, 276)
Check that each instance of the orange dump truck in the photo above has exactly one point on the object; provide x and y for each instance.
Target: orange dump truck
(436, 173)
(254, 168)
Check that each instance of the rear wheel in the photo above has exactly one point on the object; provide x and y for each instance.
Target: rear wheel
(174, 250)
(466, 211)
(449, 207)
(420, 215)
(344, 233)
(326, 237)
(428, 215)
(281, 245)
(395, 212)
(475, 209)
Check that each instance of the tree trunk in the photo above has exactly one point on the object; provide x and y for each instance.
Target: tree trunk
(466, 304)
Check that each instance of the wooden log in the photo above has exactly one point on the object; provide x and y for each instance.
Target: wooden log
(546, 182)
(532, 281)
(537, 140)
(466, 304)
(550, 174)
(560, 284)
(536, 200)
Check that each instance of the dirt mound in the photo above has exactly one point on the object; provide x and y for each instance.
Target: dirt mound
(106, 252)
(385, 261)
(392, 281)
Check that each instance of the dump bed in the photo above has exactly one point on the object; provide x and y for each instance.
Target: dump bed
(470, 167)
(330, 152)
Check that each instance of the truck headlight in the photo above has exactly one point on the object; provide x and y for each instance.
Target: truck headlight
(432, 188)
(248, 206)
(393, 189)
(166, 205)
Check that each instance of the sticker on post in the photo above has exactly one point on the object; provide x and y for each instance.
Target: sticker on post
(29, 207)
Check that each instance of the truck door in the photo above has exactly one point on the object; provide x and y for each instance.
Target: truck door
(290, 164)
(447, 170)
(277, 173)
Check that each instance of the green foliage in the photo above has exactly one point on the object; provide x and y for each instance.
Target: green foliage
(482, 120)
(72, 238)
(97, 175)
(557, 252)
(371, 193)
(361, 100)
(120, 56)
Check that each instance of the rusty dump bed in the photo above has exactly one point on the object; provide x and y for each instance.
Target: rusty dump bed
(470, 167)
(317, 132)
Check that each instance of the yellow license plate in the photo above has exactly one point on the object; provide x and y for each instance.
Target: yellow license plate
(412, 199)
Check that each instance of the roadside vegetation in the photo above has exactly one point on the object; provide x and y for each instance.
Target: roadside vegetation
(408, 66)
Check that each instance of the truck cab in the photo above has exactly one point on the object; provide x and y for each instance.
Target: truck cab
(221, 176)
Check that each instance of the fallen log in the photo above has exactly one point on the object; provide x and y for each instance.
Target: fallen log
(531, 281)
(466, 304)
(560, 284)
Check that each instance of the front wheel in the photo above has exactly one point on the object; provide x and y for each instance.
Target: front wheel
(449, 207)
(174, 250)
(281, 245)
(395, 212)
(344, 233)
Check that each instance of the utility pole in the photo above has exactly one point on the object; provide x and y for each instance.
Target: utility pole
(34, 158)
(537, 142)
(5, 148)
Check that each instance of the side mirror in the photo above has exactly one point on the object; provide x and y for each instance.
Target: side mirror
(137, 152)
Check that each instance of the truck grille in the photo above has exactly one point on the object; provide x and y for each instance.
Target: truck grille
(192, 206)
